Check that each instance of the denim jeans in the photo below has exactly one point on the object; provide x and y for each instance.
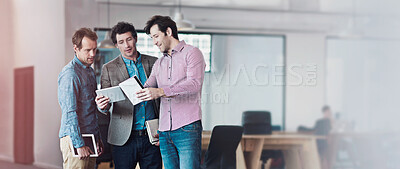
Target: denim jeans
(181, 148)
(137, 149)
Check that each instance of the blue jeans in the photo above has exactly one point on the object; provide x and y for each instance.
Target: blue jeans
(181, 148)
(137, 149)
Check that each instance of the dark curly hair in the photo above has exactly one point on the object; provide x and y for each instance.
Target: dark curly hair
(121, 28)
(163, 23)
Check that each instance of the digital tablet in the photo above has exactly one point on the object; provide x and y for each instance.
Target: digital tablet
(90, 141)
(115, 93)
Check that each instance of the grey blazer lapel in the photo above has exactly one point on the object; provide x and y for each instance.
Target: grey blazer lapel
(146, 65)
(122, 67)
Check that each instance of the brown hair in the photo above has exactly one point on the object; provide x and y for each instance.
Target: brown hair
(80, 34)
(163, 23)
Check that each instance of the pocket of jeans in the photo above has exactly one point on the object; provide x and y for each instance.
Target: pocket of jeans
(190, 127)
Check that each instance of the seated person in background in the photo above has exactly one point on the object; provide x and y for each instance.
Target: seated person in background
(322, 127)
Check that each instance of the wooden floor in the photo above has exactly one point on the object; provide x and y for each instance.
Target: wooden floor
(107, 166)
(10, 165)
(104, 166)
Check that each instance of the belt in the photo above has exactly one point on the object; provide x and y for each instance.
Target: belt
(139, 132)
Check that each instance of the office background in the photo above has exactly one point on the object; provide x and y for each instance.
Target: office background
(337, 52)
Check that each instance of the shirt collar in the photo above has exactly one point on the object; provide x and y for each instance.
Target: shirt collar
(178, 47)
(76, 60)
(128, 62)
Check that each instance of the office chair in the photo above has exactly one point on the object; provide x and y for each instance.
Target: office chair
(259, 122)
(256, 122)
(221, 152)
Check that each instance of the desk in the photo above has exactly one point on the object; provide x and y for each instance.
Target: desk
(300, 151)
(364, 149)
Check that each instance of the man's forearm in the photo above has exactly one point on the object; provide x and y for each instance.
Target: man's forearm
(105, 110)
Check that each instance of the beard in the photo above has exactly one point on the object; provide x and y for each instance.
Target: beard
(165, 45)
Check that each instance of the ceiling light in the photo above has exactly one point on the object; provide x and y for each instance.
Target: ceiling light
(181, 23)
(107, 42)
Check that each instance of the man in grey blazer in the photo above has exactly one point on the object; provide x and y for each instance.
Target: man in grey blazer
(127, 132)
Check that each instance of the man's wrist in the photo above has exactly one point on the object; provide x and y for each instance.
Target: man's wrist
(161, 91)
(105, 110)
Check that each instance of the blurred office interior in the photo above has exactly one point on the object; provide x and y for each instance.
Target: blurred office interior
(287, 57)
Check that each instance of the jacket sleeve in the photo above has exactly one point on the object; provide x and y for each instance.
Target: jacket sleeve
(105, 83)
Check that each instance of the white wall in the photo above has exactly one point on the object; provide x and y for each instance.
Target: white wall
(7, 81)
(39, 29)
(78, 14)
(363, 82)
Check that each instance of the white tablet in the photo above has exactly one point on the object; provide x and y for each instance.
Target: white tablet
(90, 141)
(115, 93)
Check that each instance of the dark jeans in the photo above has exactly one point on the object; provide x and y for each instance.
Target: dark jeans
(181, 148)
(137, 149)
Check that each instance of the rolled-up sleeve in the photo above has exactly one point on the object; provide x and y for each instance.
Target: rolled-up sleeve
(67, 97)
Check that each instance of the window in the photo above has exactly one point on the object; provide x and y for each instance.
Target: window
(145, 45)
(248, 74)
(201, 41)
